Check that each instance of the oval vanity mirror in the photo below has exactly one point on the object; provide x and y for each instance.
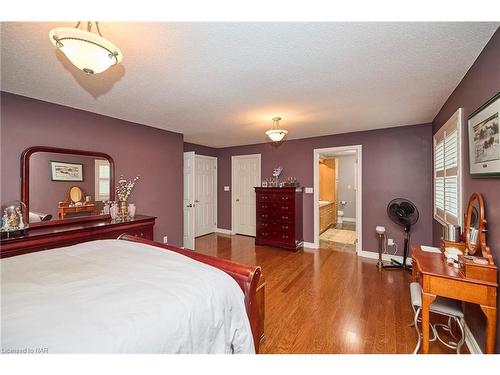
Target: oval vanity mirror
(76, 194)
(475, 224)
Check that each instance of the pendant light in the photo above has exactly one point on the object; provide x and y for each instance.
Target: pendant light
(276, 134)
(88, 51)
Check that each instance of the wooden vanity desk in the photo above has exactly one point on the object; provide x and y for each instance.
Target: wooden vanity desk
(438, 278)
(475, 281)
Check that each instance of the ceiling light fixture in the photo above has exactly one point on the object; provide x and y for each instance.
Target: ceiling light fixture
(276, 134)
(88, 51)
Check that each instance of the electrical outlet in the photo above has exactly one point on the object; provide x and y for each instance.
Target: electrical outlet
(165, 239)
(390, 242)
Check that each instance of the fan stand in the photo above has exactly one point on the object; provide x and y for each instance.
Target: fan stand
(397, 264)
(394, 263)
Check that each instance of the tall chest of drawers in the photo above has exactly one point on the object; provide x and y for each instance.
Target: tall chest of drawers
(279, 217)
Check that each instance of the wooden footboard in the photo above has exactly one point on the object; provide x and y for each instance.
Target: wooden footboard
(246, 276)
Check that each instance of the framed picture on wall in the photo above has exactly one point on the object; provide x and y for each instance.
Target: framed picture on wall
(484, 140)
(61, 171)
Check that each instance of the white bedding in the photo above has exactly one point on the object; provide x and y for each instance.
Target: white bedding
(115, 296)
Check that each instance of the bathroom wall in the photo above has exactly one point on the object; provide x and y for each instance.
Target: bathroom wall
(346, 184)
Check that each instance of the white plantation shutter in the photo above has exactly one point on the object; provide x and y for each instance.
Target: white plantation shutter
(102, 180)
(448, 171)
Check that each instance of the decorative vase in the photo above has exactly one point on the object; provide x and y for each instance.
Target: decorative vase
(123, 209)
(131, 210)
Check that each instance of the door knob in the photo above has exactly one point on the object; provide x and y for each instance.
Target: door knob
(196, 201)
(237, 199)
(189, 205)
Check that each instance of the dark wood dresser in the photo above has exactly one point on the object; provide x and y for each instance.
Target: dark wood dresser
(52, 236)
(279, 217)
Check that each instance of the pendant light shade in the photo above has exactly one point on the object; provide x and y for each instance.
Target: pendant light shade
(276, 134)
(86, 50)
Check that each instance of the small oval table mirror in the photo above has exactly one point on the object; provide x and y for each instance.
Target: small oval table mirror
(75, 194)
(475, 228)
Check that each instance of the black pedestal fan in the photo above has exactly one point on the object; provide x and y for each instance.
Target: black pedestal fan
(404, 213)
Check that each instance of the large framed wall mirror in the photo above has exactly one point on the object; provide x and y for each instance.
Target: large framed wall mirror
(58, 185)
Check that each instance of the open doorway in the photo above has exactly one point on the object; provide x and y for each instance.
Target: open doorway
(337, 198)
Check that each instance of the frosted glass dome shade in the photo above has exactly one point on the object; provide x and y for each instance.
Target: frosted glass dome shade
(276, 135)
(89, 52)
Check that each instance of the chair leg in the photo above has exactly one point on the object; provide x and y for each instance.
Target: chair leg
(462, 335)
(419, 336)
(457, 344)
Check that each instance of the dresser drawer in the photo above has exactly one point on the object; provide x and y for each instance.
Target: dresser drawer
(265, 225)
(266, 197)
(265, 215)
(285, 207)
(287, 217)
(285, 198)
(146, 232)
(265, 206)
(284, 237)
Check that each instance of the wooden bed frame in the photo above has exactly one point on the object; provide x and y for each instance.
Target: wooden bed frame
(246, 276)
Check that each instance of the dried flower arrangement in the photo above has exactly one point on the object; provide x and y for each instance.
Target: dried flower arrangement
(124, 187)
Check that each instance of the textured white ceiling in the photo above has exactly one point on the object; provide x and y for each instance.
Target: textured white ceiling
(221, 83)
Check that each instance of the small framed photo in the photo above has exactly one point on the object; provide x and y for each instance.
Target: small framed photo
(484, 140)
(61, 171)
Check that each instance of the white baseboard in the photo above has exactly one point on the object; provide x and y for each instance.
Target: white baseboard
(310, 245)
(385, 257)
(350, 219)
(470, 340)
(223, 231)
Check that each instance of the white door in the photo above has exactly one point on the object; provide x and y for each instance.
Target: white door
(245, 171)
(188, 201)
(205, 194)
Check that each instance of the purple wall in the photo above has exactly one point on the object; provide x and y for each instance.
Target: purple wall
(481, 82)
(154, 154)
(397, 162)
(200, 150)
(46, 194)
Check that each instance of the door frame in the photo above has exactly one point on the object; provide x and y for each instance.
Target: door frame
(215, 189)
(359, 191)
(233, 158)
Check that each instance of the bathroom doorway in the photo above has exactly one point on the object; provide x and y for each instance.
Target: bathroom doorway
(337, 198)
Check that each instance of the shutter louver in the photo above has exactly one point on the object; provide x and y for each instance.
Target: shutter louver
(439, 201)
(447, 171)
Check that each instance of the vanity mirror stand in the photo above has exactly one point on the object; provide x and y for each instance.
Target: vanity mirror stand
(476, 260)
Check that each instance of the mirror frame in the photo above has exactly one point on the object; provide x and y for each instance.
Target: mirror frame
(25, 181)
(481, 244)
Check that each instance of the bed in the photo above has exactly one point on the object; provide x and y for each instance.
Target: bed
(128, 295)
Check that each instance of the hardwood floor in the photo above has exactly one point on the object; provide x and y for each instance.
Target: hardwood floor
(326, 301)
